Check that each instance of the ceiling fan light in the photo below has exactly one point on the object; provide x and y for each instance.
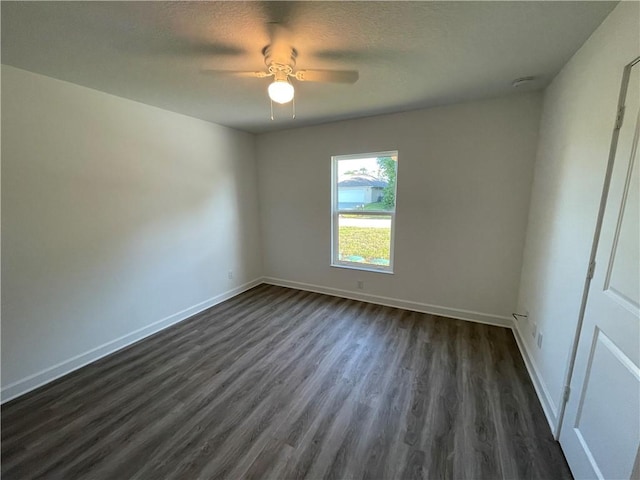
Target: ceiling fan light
(281, 91)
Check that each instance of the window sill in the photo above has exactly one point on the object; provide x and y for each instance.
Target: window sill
(363, 268)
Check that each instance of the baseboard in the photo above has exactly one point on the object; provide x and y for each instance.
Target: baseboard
(398, 303)
(27, 384)
(550, 410)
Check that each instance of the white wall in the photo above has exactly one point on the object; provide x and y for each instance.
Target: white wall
(115, 215)
(464, 179)
(576, 127)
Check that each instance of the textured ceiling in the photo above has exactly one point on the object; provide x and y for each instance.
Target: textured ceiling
(409, 54)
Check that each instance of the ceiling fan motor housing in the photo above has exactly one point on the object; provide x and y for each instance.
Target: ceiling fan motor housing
(282, 57)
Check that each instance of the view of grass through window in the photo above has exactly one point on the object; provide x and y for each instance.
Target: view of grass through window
(365, 240)
(364, 209)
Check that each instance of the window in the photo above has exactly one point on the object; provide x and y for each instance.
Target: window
(363, 210)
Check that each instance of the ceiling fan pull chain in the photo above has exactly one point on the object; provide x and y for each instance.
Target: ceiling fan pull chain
(293, 108)
(271, 102)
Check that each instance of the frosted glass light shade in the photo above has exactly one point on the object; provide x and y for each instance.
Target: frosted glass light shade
(281, 91)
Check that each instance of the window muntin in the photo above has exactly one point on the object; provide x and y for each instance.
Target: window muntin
(364, 190)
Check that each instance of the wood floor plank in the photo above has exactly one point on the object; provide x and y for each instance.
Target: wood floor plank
(268, 464)
(478, 431)
(281, 383)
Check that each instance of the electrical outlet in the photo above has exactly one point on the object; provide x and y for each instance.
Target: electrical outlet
(230, 274)
(539, 340)
(534, 330)
(360, 285)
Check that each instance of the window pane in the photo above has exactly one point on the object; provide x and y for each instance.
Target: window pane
(364, 239)
(367, 183)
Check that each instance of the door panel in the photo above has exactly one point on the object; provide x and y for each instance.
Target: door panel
(601, 428)
(609, 370)
(622, 278)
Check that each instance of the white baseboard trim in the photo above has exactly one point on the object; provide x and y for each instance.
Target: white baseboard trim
(549, 408)
(398, 303)
(27, 384)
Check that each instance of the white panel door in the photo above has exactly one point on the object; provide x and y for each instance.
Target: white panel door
(601, 430)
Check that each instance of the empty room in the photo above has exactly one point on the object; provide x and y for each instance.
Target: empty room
(307, 240)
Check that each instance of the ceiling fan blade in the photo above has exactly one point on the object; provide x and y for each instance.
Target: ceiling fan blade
(204, 48)
(179, 46)
(235, 73)
(331, 76)
(355, 54)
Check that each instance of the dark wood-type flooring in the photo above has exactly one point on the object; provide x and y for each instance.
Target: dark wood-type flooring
(281, 383)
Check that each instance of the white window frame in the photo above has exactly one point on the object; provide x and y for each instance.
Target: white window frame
(336, 212)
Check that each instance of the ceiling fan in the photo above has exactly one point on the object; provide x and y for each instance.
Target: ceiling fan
(280, 60)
